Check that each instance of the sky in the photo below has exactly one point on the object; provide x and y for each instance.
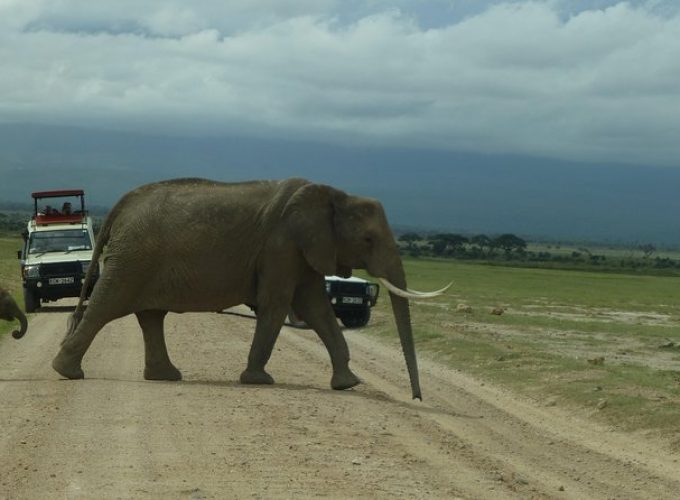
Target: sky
(553, 118)
(585, 81)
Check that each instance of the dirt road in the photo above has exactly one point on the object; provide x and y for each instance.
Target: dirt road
(114, 435)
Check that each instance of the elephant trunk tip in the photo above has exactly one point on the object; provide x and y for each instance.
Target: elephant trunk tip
(415, 387)
(17, 334)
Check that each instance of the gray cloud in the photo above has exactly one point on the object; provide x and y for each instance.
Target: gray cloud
(539, 78)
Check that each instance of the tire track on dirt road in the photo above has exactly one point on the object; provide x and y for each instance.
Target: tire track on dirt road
(436, 456)
(540, 450)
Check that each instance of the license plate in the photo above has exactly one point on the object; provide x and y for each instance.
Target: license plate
(352, 300)
(61, 281)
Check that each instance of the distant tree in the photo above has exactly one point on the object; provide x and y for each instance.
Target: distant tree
(438, 247)
(647, 250)
(447, 243)
(544, 256)
(482, 241)
(509, 243)
(410, 239)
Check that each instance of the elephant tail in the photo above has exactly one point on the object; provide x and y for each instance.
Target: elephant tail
(102, 240)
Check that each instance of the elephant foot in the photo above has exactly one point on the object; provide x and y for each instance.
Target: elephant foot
(256, 377)
(165, 372)
(68, 366)
(344, 380)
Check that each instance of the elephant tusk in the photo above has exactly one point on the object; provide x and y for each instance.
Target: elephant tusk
(412, 294)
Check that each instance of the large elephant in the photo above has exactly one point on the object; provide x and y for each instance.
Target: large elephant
(198, 245)
(9, 311)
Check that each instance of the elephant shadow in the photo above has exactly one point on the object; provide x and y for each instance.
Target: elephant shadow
(239, 385)
(57, 309)
(372, 395)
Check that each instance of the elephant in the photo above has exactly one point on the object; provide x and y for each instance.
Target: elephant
(9, 311)
(196, 245)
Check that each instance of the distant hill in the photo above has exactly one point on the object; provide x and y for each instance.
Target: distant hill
(430, 189)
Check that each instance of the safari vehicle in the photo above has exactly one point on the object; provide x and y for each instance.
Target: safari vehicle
(351, 298)
(57, 248)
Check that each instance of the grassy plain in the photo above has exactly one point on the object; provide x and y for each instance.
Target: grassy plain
(607, 344)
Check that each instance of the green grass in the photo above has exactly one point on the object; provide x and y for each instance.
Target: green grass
(496, 284)
(556, 326)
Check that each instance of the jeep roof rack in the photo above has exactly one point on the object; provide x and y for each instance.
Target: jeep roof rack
(58, 193)
(57, 217)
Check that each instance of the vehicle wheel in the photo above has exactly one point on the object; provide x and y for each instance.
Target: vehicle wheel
(296, 321)
(356, 319)
(31, 301)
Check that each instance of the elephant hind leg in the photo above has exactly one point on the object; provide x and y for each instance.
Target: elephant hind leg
(157, 361)
(107, 303)
(68, 360)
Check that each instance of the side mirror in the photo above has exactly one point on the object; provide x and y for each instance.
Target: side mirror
(19, 254)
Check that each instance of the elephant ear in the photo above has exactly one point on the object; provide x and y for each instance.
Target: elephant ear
(309, 216)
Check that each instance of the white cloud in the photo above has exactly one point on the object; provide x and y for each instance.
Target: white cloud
(519, 77)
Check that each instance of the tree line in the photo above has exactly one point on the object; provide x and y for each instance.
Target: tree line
(457, 245)
(12, 222)
(510, 249)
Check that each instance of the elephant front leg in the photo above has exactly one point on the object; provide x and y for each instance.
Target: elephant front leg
(269, 323)
(157, 361)
(312, 304)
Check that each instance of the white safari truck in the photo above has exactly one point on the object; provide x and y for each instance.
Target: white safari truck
(57, 251)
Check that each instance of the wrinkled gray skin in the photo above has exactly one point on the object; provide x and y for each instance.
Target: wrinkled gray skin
(9, 311)
(198, 245)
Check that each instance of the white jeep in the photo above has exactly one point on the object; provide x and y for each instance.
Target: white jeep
(57, 251)
(351, 299)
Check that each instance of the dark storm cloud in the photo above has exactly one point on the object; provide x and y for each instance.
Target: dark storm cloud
(573, 80)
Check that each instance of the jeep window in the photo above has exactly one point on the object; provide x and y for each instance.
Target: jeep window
(66, 240)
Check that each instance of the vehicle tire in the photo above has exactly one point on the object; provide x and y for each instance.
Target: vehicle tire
(31, 301)
(356, 319)
(296, 321)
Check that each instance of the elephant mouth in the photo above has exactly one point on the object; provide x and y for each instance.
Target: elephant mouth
(413, 294)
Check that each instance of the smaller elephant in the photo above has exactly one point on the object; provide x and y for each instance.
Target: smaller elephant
(9, 311)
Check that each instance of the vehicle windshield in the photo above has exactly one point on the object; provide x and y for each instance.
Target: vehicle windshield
(66, 240)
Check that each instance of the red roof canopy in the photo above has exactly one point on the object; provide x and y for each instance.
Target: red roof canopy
(44, 220)
(56, 194)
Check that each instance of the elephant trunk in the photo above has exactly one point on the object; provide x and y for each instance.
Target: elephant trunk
(402, 317)
(17, 334)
